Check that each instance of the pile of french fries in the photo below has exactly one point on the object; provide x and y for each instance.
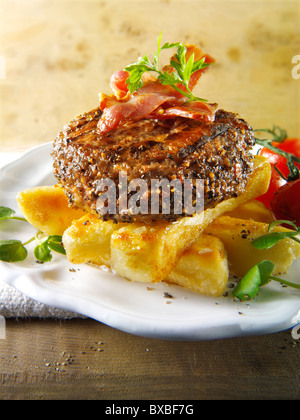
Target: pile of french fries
(199, 253)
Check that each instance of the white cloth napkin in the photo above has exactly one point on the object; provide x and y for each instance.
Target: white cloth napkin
(13, 303)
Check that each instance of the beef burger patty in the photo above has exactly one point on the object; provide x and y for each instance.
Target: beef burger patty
(217, 152)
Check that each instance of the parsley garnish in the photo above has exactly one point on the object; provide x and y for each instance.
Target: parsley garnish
(180, 75)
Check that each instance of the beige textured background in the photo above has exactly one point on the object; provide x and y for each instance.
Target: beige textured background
(59, 54)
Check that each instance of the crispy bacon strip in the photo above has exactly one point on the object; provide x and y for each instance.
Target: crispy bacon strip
(152, 100)
(195, 110)
(139, 105)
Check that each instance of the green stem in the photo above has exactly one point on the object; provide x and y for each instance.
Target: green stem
(190, 96)
(19, 218)
(268, 144)
(29, 240)
(180, 91)
(287, 283)
(194, 98)
(34, 238)
(278, 133)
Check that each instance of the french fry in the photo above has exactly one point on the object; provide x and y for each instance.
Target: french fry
(135, 251)
(202, 268)
(253, 210)
(47, 209)
(87, 240)
(236, 234)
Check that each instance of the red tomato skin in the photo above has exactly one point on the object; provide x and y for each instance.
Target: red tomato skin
(290, 145)
(118, 83)
(276, 182)
(285, 203)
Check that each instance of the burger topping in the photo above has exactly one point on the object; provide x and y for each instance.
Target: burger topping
(138, 94)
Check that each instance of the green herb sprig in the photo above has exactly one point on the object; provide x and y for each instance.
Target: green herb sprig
(279, 135)
(261, 274)
(180, 75)
(12, 250)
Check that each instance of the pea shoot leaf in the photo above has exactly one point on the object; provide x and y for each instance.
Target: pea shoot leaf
(248, 286)
(55, 243)
(270, 239)
(283, 222)
(12, 250)
(259, 275)
(266, 268)
(42, 252)
(6, 213)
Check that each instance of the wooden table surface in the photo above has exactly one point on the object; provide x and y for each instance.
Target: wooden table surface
(84, 359)
(55, 58)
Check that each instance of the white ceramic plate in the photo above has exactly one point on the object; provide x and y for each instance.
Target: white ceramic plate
(137, 308)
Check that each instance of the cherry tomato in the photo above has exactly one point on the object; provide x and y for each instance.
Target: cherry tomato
(285, 203)
(290, 145)
(118, 83)
(276, 182)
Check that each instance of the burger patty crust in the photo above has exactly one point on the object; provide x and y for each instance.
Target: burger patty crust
(217, 152)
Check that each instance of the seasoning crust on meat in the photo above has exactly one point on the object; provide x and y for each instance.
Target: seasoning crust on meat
(219, 152)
